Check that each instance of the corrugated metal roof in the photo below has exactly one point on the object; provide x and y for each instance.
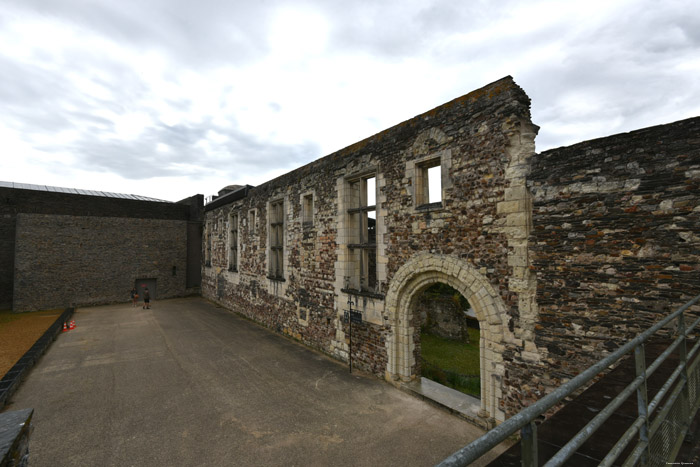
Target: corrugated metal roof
(77, 191)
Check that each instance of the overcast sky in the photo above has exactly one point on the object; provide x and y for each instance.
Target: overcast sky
(169, 98)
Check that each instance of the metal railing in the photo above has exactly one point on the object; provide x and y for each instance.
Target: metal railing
(658, 429)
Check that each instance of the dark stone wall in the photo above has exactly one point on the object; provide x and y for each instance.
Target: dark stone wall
(193, 275)
(7, 259)
(615, 243)
(80, 260)
(15, 200)
(99, 247)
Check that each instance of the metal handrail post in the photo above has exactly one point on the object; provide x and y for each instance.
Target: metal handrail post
(528, 445)
(683, 361)
(640, 366)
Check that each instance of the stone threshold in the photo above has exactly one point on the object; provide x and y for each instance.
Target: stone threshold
(455, 402)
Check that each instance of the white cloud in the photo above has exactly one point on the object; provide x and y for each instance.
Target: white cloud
(204, 95)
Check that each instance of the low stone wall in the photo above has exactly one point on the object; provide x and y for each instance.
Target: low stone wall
(15, 429)
(12, 379)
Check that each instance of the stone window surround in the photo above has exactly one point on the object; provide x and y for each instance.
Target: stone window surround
(416, 170)
(234, 235)
(371, 305)
(423, 183)
(273, 223)
(207, 252)
(278, 286)
(252, 220)
(352, 266)
(307, 218)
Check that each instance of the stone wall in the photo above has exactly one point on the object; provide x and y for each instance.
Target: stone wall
(60, 248)
(78, 261)
(7, 259)
(441, 316)
(563, 255)
(474, 234)
(615, 246)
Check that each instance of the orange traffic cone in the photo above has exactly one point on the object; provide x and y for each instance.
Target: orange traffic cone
(72, 325)
(65, 327)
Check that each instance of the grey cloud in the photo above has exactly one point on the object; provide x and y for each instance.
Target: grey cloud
(191, 32)
(140, 158)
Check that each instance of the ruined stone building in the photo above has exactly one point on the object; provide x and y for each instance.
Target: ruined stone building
(563, 255)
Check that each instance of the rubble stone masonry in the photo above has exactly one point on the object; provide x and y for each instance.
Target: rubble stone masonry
(615, 245)
(562, 255)
(481, 143)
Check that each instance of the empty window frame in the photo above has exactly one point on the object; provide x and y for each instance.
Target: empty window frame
(362, 233)
(207, 252)
(428, 182)
(276, 216)
(307, 209)
(251, 220)
(233, 242)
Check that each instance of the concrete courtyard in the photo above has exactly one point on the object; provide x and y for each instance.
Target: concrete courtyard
(189, 383)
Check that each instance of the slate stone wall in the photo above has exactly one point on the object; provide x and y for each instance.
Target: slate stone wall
(615, 245)
(63, 248)
(7, 259)
(80, 260)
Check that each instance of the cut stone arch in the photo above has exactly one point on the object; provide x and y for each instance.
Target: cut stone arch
(427, 140)
(419, 273)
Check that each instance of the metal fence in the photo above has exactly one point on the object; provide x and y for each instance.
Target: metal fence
(661, 424)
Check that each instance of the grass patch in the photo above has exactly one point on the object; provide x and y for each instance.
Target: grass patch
(452, 355)
(451, 363)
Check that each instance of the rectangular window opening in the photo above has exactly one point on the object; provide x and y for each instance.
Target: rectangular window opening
(428, 184)
(308, 209)
(276, 216)
(207, 253)
(251, 220)
(362, 234)
(233, 243)
(434, 184)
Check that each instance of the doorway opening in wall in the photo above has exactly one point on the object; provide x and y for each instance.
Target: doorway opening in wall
(142, 284)
(448, 348)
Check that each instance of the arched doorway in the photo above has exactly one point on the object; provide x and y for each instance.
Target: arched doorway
(417, 274)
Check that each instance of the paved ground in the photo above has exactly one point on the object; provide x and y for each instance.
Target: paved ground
(187, 383)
